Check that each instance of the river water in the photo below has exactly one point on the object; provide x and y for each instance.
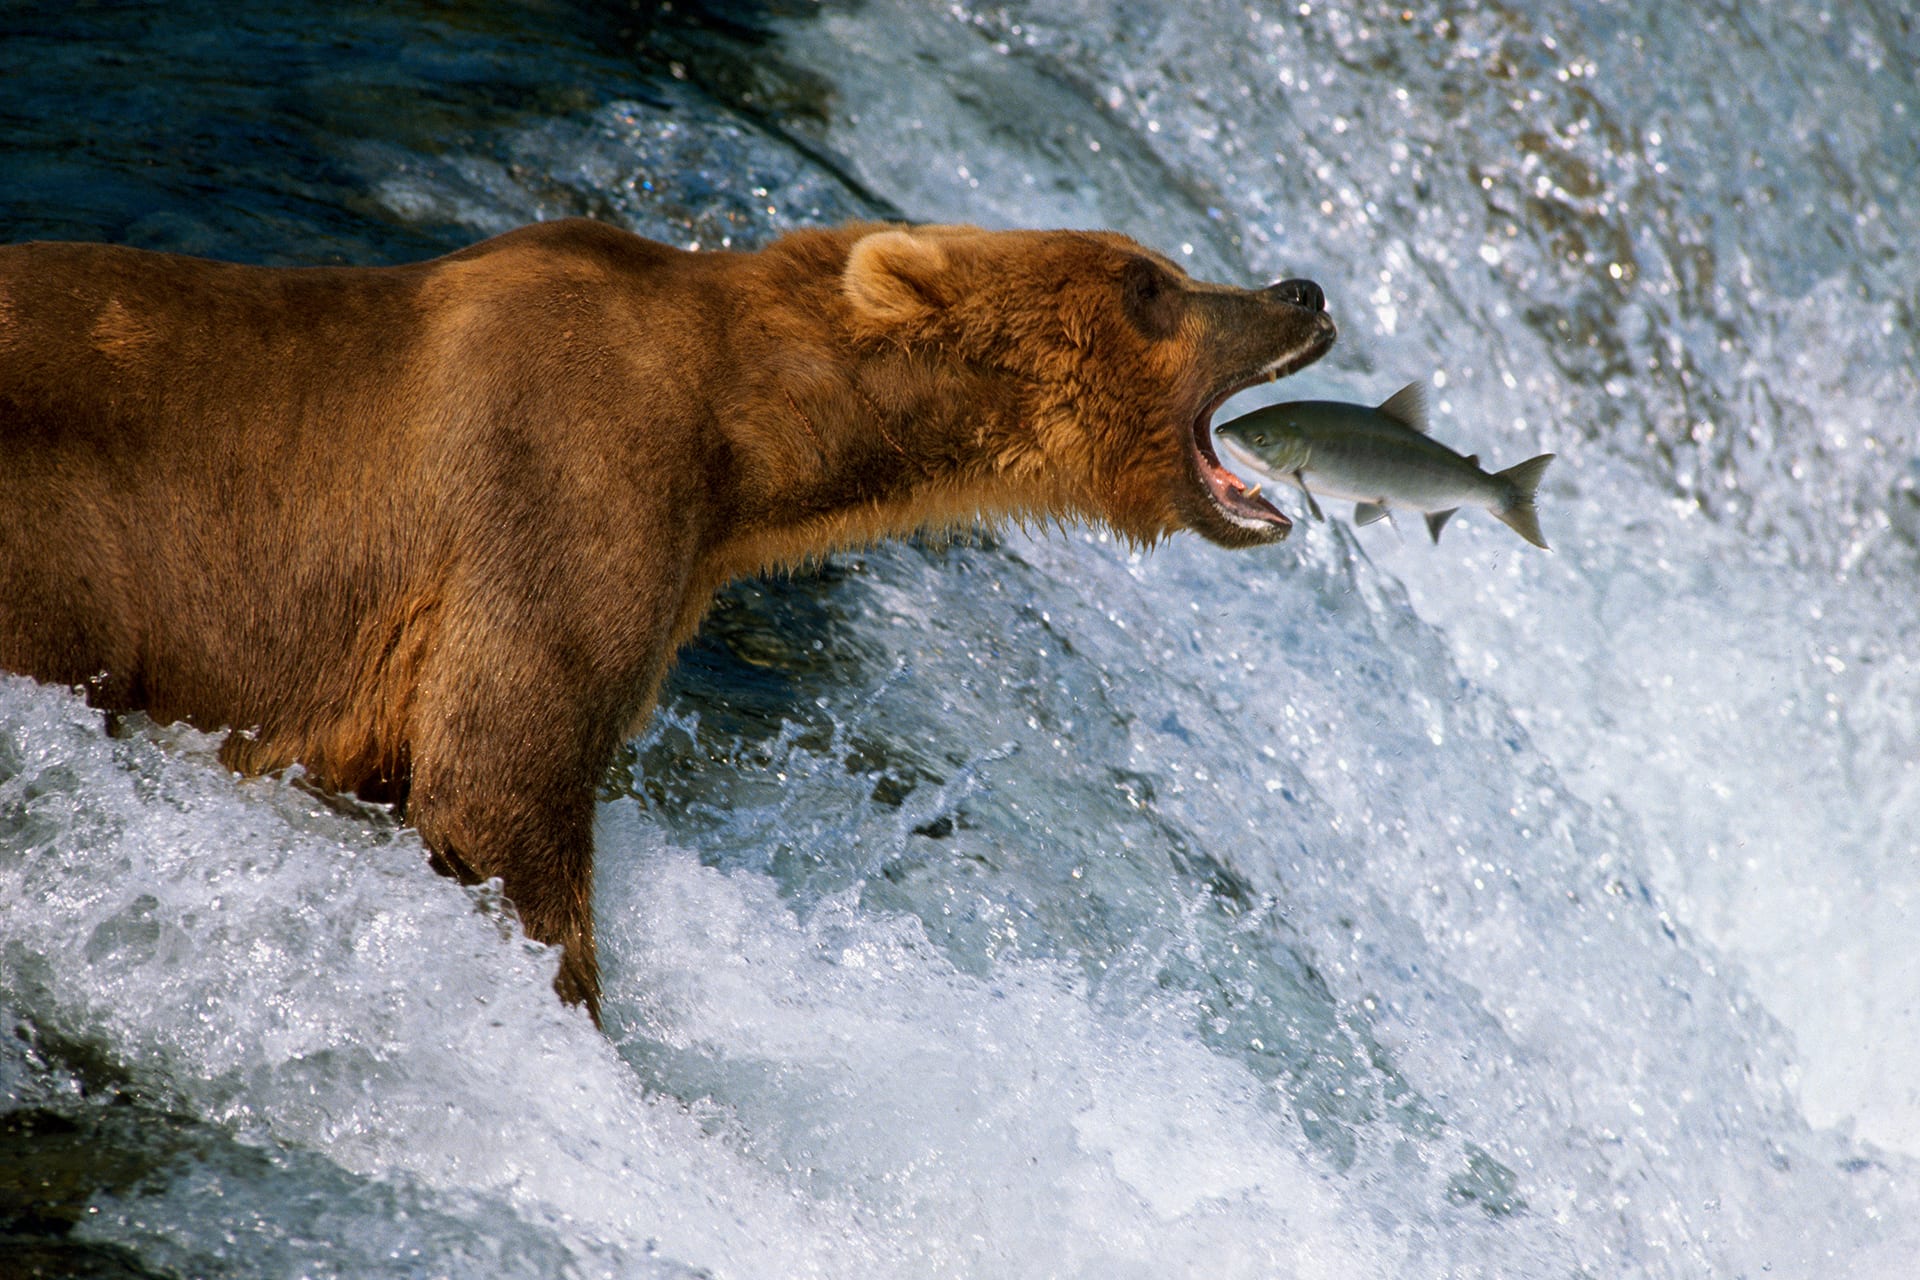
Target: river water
(1029, 906)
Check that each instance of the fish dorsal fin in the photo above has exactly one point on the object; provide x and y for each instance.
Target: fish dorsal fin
(1408, 407)
(1473, 459)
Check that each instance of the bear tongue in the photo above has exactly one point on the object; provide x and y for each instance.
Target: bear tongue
(1232, 493)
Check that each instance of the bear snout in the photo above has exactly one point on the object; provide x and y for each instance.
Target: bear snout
(1300, 293)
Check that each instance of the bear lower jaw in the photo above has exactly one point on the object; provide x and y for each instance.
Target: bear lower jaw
(1255, 521)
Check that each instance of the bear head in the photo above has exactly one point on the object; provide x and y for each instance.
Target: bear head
(1105, 361)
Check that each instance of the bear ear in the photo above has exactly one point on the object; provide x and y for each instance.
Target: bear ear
(897, 277)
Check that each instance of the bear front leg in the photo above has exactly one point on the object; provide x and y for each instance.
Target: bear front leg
(505, 786)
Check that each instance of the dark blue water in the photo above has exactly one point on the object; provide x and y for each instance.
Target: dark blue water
(1028, 906)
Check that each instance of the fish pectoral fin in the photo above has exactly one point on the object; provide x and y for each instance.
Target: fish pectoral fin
(1437, 520)
(1312, 506)
(1368, 512)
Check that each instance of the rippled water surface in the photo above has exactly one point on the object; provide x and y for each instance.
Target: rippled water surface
(1029, 906)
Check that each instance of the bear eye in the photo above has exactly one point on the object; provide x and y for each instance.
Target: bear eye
(1151, 298)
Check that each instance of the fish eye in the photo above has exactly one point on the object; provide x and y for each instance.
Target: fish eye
(1261, 438)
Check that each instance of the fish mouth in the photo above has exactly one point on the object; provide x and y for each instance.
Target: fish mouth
(1249, 519)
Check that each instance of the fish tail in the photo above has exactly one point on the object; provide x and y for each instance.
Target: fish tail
(1518, 513)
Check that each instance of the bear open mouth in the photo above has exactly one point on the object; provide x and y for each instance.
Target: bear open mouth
(1240, 504)
(1244, 508)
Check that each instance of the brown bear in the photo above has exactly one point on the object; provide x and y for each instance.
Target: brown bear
(436, 531)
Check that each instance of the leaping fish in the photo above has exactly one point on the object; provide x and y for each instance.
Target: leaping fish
(1382, 460)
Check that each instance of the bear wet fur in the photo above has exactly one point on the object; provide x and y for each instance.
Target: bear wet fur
(436, 531)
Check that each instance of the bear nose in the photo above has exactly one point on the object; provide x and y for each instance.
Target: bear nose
(1301, 293)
